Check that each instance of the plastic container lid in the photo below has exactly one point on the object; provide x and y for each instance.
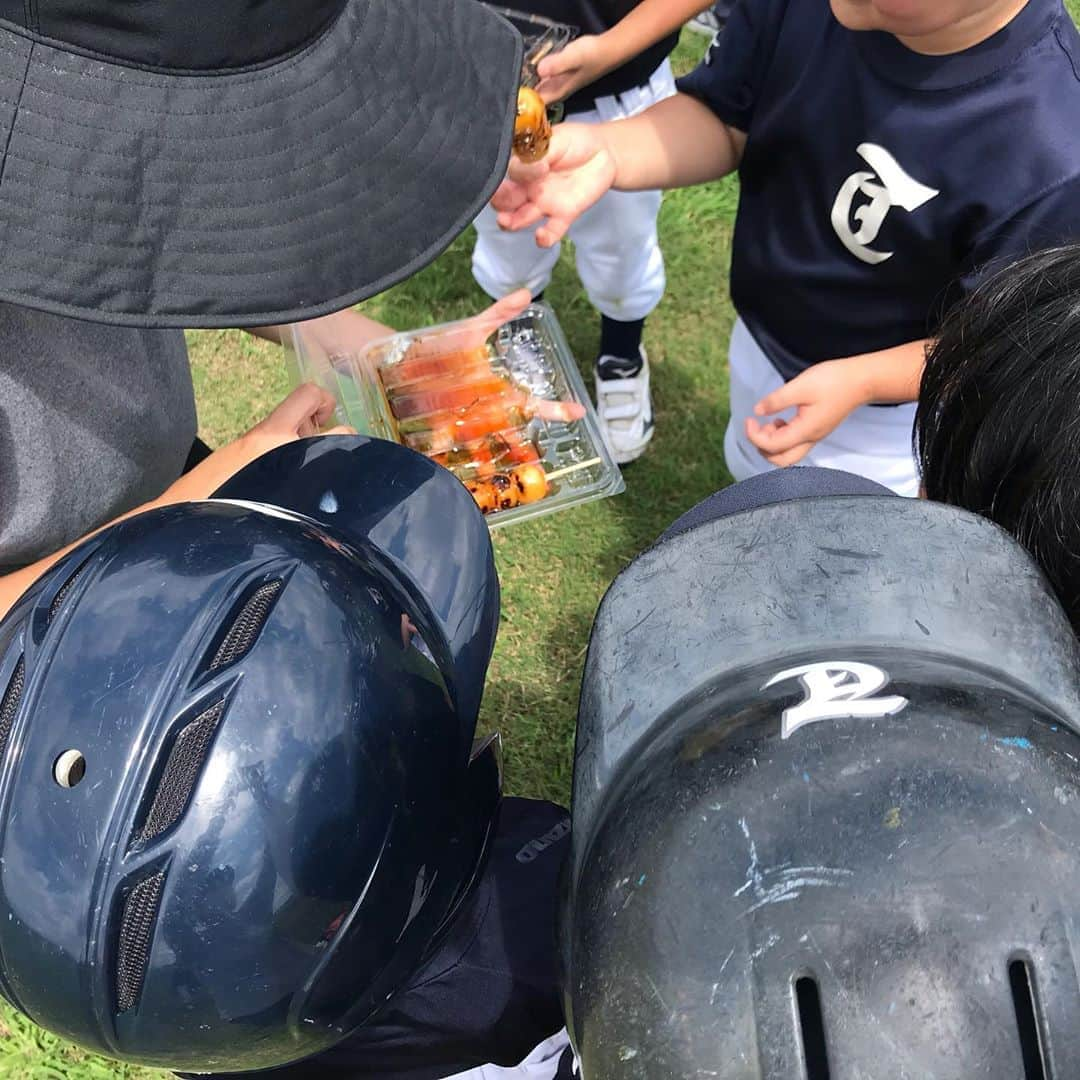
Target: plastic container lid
(498, 411)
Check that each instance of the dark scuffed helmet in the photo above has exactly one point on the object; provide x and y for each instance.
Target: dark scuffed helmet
(826, 801)
(239, 798)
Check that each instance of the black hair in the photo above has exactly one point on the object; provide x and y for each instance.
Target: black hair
(997, 428)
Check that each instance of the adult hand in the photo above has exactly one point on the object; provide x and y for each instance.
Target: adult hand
(579, 168)
(823, 396)
(575, 66)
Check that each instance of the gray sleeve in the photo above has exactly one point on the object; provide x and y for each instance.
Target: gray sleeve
(94, 420)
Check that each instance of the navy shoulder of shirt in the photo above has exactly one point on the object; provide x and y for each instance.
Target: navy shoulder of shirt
(594, 17)
(490, 992)
(878, 184)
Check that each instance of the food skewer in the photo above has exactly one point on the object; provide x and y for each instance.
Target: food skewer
(532, 129)
(567, 469)
(455, 402)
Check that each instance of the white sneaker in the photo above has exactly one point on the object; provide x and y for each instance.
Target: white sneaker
(624, 408)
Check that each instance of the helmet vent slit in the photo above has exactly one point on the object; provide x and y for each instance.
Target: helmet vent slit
(9, 703)
(245, 627)
(136, 933)
(61, 595)
(811, 1028)
(177, 780)
(1026, 1007)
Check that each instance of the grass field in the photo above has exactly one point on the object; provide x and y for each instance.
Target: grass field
(555, 570)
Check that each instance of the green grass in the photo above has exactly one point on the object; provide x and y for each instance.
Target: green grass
(553, 571)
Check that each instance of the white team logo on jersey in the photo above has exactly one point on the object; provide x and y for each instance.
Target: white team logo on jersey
(836, 690)
(887, 186)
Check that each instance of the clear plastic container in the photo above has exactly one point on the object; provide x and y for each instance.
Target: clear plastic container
(541, 36)
(504, 408)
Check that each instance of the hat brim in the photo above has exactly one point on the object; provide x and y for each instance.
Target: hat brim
(267, 195)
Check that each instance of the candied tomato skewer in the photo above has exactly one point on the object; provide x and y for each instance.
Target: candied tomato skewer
(422, 362)
(532, 129)
(464, 411)
(505, 490)
(459, 397)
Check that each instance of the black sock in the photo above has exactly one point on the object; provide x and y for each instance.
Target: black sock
(620, 345)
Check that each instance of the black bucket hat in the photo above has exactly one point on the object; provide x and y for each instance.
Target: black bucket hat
(241, 162)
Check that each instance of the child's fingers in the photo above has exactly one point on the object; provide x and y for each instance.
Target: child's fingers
(525, 173)
(509, 307)
(791, 457)
(560, 411)
(555, 89)
(558, 63)
(783, 398)
(341, 429)
(550, 233)
(509, 195)
(502, 311)
(521, 218)
(778, 436)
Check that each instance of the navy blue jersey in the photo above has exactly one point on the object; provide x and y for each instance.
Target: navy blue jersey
(490, 991)
(878, 183)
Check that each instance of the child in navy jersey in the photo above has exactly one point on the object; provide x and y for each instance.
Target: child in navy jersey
(888, 153)
(616, 69)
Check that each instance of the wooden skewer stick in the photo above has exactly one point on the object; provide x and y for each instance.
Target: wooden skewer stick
(573, 468)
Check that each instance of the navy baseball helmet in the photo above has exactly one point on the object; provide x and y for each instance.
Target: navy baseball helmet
(826, 796)
(239, 792)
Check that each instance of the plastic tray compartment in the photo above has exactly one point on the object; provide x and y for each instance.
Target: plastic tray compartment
(541, 36)
(477, 407)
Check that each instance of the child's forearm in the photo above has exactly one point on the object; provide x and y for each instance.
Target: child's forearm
(676, 143)
(651, 21)
(893, 375)
(826, 394)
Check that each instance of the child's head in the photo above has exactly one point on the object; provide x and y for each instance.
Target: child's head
(914, 19)
(998, 424)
